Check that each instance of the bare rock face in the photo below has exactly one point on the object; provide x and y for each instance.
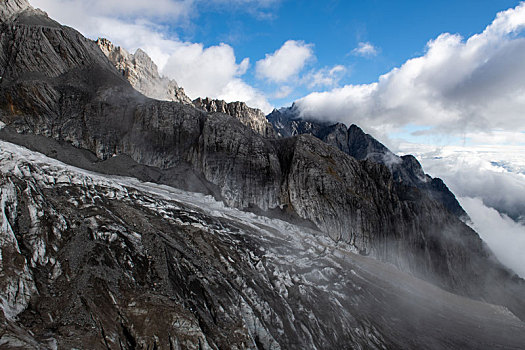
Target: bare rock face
(10, 7)
(142, 73)
(60, 85)
(353, 141)
(119, 264)
(251, 117)
(346, 199)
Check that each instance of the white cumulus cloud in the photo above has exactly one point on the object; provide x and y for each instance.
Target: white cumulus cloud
(283, 91)
(458, 86)
(365, 49)
(286, 62)
(325, 77)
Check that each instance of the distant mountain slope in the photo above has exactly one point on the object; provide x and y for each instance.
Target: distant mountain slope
(353, 141)
(59, 85)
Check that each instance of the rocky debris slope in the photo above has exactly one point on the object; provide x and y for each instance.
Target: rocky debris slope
(251, 117)
(113, 263)
(353, 141)
(142, 73)
(60, 85)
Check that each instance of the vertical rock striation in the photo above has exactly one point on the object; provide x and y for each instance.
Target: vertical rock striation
(122, 264)
(353, 141)
(251, 117)
(142, 73)
(60, 85)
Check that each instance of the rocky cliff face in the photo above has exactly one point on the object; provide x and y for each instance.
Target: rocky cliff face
(99, 262)
(353, 141)
(12, 7)
(251, 117)
(104, 115)
(59, 85)
(142, 73)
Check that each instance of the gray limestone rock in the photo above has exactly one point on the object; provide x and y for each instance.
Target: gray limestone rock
(60, 85)
(12, 7)
(251, 117)
(142, 73)
(121, 264)
(353, 141)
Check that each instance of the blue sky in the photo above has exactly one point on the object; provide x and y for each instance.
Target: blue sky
(398, 29)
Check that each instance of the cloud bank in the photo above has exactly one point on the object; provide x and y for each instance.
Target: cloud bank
(489, 182)
(505, 237)
(494, 174)
(458, 86)
(325, 77)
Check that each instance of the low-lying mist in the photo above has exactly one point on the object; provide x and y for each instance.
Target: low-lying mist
(490, 185)
(504, 236)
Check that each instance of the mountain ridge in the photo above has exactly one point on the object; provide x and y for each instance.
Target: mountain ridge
(142, 73)
(251, 117)
(165, 134)
(355, 142)
(287, 122)
(76, 97)
(118, 263)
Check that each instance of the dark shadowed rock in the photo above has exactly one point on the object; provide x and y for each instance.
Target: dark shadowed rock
(113, 263)
(124, 252)
(358, 144)
(142, 73)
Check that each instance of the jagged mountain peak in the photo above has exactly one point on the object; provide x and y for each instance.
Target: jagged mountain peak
(362, 146)
(252, 117)
(9, 8)
(12, 9)
(142, 73)
(128, 263)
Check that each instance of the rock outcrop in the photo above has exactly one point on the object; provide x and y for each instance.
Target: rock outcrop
(251, 117)
(353, 141)
(99, 262)
(142, 73)
(60, 85)
(12, 7)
